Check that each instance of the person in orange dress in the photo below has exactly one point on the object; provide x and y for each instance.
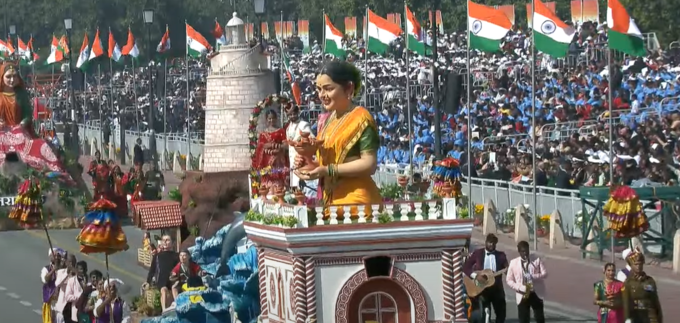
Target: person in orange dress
(15, 103)
(347, 156)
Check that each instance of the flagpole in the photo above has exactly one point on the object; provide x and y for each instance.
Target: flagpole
(134, 89)
(533, 124)
(365, 85)
(281, 75)
(470, 158)
(187, 102)
(408, 95)
(84, 92)
(99, 105)
(111, 107)
(611, 139)
(323, 45)
(217, 42)
(165, 113)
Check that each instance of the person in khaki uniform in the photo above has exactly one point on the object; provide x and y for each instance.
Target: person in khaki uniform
(640, 298)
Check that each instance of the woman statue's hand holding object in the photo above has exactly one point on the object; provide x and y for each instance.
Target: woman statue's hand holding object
(307, 169)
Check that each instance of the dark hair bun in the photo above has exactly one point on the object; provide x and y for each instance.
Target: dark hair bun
(342, 72)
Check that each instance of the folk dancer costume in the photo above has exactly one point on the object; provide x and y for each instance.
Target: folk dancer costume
(605, 292)
(293, 133)
(640, 298)
(49, 289)
(622, 275)
(528, 274)
(494, 260)
(116, 311)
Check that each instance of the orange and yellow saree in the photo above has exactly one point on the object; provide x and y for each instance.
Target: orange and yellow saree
(345, 139)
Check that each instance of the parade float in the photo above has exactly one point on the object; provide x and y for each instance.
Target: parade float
(289, 257)
(24, 156)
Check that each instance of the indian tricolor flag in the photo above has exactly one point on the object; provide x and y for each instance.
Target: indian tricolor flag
(5, 49)
(414, 38)
(196, 43)
(130, 47)
(56, 55)
(294, 85)
(164, 44)
(97, 48)
(333, 41)
(551, 35)
(624, 35)
(487, 26)
(84, 55)
(218, 33)
(24, 51)
(381, 33)
(115, 53)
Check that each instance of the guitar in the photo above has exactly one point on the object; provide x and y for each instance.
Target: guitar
(474, 287)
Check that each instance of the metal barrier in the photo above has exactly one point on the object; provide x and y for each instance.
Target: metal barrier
(495, 140)
(174, 141)
(508, 195)
(564, 130)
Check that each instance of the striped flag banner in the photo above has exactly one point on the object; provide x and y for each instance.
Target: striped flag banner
(390, 17)
(348, 26)
(509, 11)
(290, 29)
(278, 31)
(591, 10)
(265, 30)
(303, 33)
(397, 19)
(551, 6)
(250, 31)
(440, 25)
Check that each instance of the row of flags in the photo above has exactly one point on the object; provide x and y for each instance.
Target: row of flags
(24, 51)
(196, 46)
(487, 26)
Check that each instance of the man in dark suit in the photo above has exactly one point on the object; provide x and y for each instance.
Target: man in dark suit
(488, 258)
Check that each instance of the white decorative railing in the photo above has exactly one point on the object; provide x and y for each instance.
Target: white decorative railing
(400, 211)
(233, 63)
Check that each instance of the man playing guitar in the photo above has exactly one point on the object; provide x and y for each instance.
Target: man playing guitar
(494, 261)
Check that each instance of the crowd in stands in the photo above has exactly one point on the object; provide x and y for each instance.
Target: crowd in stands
(124, 97)
(572, 132)
(571, 101)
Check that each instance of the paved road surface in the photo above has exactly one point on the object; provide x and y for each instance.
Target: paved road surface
(25, 253)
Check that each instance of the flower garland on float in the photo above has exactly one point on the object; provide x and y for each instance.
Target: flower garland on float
(256, 174)
(446, 177)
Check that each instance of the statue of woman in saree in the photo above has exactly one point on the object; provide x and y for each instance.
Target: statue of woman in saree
(347, 157)
(271, 154)
(15, 104)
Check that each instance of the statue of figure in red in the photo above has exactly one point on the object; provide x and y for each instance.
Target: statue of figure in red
(103, 187)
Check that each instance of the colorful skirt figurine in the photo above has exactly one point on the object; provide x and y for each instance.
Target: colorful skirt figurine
(446, 177)
(102, 232)
(625, 214)
(27, 208)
